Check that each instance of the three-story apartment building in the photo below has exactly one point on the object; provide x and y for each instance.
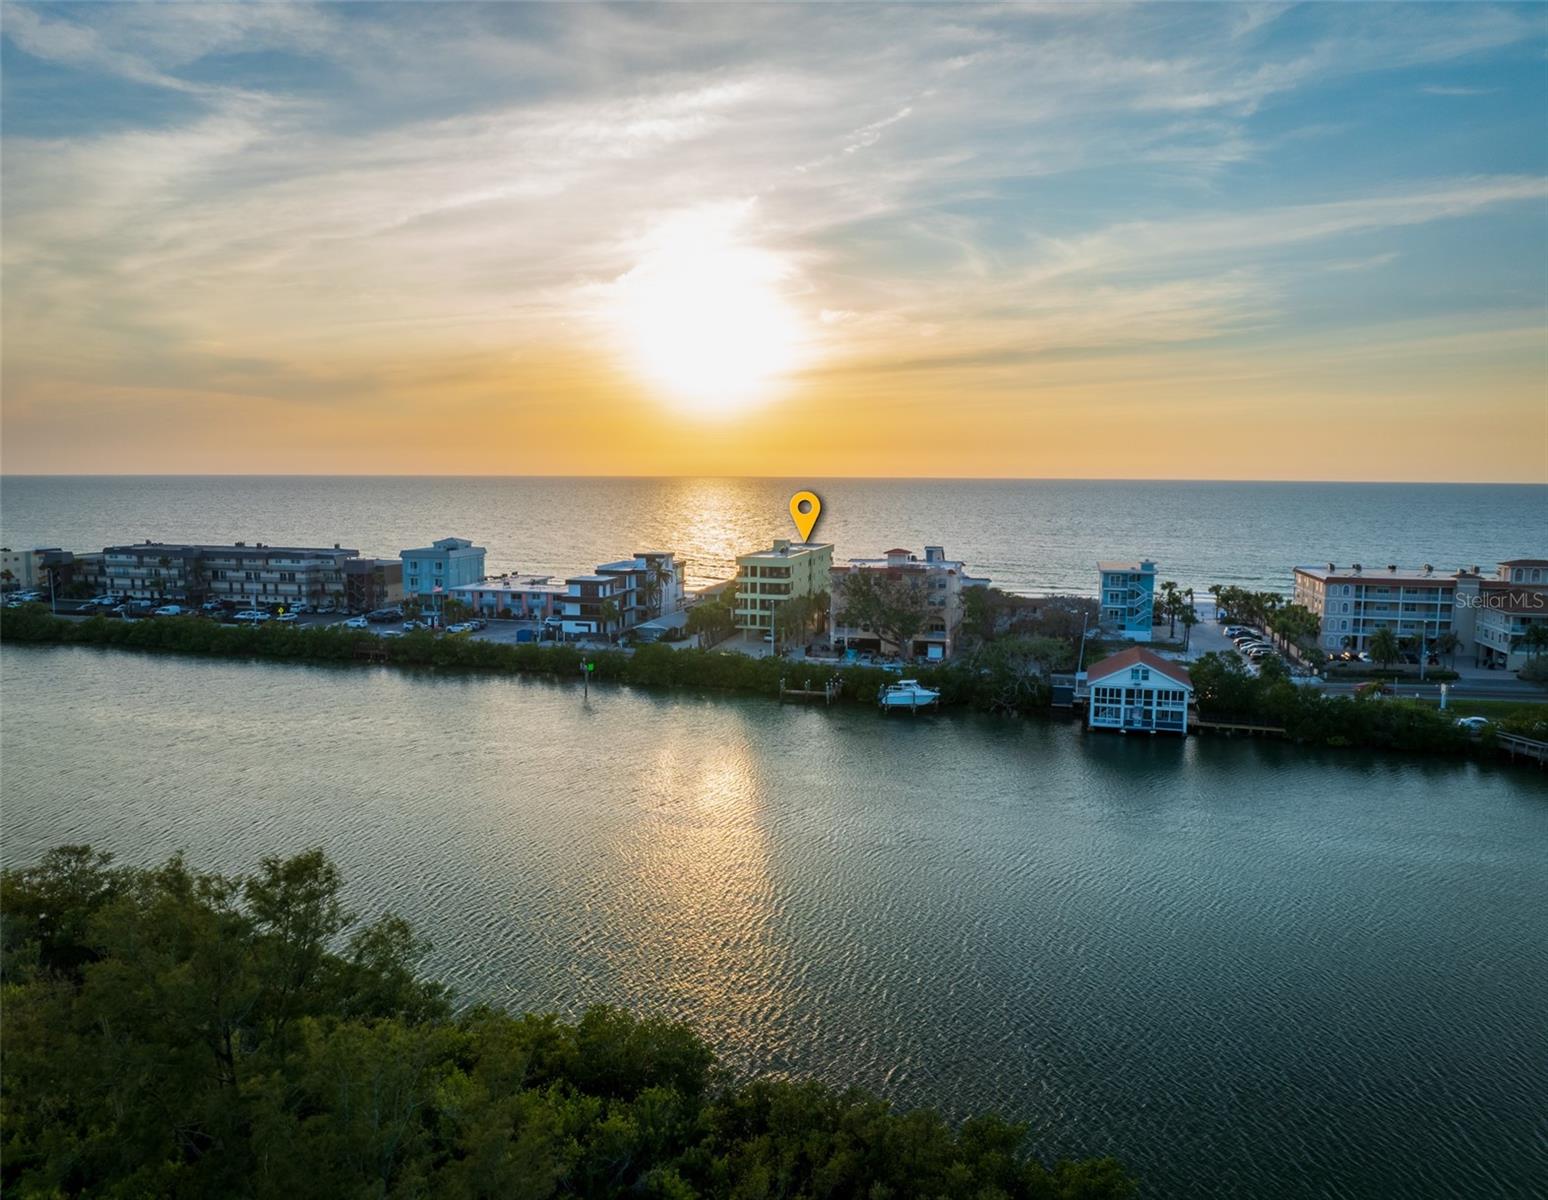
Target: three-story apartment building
(766, 579)
(258, 575)
(1353, 603)
(442, 565)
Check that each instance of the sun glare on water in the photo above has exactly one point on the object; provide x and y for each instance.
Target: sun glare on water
(703, 317)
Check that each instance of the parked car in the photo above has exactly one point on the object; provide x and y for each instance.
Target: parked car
(326, 608)
(392, 633)
(255, 615)
(1473, 724)
(411, 626)
(169, 610)
(289, 618)
(357, 623)
(460, 627)
(382, 615)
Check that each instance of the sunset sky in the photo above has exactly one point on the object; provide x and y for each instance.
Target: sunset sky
(1094, 241)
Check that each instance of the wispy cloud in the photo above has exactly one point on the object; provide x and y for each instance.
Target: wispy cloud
(364, 194)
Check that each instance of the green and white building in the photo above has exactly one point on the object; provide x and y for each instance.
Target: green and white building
(768, 578)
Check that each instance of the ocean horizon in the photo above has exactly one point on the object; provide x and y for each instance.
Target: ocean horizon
(1031, 536)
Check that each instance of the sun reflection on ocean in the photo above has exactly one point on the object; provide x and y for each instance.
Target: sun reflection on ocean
(695, 882)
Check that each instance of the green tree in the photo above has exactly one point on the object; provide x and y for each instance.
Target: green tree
(892, 606)
(608, 614)
(711, 620)
(173, 1032)
(1384, 646)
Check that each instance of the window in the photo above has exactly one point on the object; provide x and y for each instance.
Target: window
(1139, 674)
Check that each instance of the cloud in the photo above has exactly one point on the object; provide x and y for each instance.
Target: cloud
(391, 187)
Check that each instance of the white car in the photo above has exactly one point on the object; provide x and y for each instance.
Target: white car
(357, 623)
(289, 618)
(254, 615)
(1473, 724)
(460, 628)
(392, 633)
(168, 610)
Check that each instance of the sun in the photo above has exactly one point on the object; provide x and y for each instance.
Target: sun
(703, 317)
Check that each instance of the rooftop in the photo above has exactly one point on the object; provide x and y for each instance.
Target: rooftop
(185, 549)
(1389, 573)
(513, 583)
(783, 549)
(443, 546)
(1138, 656)
(1142, 565)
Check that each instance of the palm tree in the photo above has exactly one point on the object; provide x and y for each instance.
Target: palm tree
(1190, 618)
(1169, 597)
(650, 590)
(608, 612)
(1448, 643)
(1384, 646)
(6, 579)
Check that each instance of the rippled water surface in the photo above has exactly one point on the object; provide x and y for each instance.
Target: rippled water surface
(1245, 969)
(1030, 536)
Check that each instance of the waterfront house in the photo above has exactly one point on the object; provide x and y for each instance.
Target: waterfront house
(1138, 691)
(1128, 595)
(441, 566)
(254, 576)
(765, 579)
(939, 582)
(584, 606)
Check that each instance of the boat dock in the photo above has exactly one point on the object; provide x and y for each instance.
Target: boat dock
(1517, 746)
(1234, 727)
(826, 694)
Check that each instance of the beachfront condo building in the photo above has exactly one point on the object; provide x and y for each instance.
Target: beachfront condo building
(1508, 608)
(441, 566)
(768, 578)
(256, 575)
(1354, 602)
(938, 583)
(1138, 691)
(1128, 595)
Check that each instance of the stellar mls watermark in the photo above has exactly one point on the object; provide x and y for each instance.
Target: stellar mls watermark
(1524, 601)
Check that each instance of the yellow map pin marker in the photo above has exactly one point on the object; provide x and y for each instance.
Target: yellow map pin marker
(804, 511)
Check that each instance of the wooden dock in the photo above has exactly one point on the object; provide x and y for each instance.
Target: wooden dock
(1230, 728)
(1517, 746)
(826, 694)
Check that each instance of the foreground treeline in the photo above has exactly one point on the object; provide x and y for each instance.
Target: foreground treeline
(1225, 691)
(1008, 675)
(174, 1033)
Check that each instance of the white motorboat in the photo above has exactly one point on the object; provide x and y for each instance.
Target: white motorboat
(907, 693)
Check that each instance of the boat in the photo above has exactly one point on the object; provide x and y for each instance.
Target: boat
(907, 693)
